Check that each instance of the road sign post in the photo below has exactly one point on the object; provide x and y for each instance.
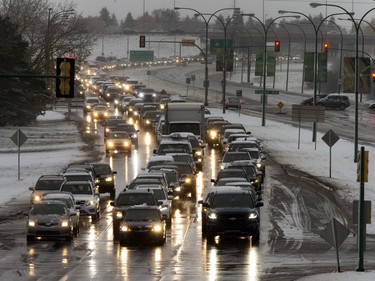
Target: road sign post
(19, 139)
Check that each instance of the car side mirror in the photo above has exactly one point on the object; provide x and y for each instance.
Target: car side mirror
(213, 180)
(114, 173)
(112, 203)
(31, 188)
(259, 204)
(160, 203)
(205, 204)
(200, 202)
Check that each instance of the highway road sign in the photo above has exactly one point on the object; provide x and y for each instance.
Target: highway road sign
(308, 113)
(18, 138)
(141, 56)
(188, 42)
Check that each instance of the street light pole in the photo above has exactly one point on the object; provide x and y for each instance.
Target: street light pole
(357, 28)
(265, 29)
(288, 61)
(361, 211)
(206, 21)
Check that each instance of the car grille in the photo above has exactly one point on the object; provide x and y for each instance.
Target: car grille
(81, 202)
(49, 224)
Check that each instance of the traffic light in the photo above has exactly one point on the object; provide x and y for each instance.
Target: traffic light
(65, 75)
(325, 47)
(277, 46)
(142, 41)
(365, 166)
(373, 76)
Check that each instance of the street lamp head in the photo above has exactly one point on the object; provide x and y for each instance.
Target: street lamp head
(249, 14)
(177, 8)
(281, 12)
(314, 4)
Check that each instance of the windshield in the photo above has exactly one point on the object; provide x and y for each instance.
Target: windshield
(48, 209)
(135, 199)
(185, 127)
(66, 201)
(237, 146)
(238, 200)
(230, 157)
(174, 148)
(142, 215)
(77, 188)
(102, 169)
(48, 184)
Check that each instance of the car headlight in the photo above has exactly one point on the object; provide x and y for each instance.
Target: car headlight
(141, 95)
(157, 228)
(37, 197)
(163, 207)
(125, 228)
(31, 223)
(89, 202)
(259, 165)
(116, 101)
(188, 180)
(126, 144)
(118, 215)
(110, 144)
(213, 134)
(162, 106)
(108, 179)
(127, 87)
(148, 122)
(134, 136)
(198, 153)
(107, 130)
(88, 106)
(106, 114)
(212, 216)
(65, 223)
(253, 216)
(96, 114)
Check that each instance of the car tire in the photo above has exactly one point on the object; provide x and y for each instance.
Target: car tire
(112, 194)
(30, 238)
(255, 237)
(342, 106)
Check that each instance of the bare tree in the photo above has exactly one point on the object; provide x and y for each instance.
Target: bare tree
(51, 30)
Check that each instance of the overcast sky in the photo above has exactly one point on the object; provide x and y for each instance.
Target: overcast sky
(122, 7)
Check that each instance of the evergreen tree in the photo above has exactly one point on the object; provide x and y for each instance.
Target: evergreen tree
(22, 98)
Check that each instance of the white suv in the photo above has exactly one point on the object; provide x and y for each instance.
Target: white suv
(85, 196)
(162, 196)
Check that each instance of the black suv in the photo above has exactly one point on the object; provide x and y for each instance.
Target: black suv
(231, 211)
(129, 198)
(105, 178)
(335, 101)
(143, 224)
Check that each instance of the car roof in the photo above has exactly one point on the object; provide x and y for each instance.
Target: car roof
(58, 194)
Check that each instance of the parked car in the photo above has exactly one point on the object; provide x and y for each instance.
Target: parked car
(45, 183)
(49, 219)
(85, 196)
(337, 101)
(143, 224)
(68, 199)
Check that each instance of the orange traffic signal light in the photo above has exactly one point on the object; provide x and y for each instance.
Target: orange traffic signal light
(277, 46)
(142, 41)
(373, 76)
(325, 47)
(65, 75)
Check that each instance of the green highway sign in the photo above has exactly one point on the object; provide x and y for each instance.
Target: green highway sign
(267, 92)
(141, 56)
